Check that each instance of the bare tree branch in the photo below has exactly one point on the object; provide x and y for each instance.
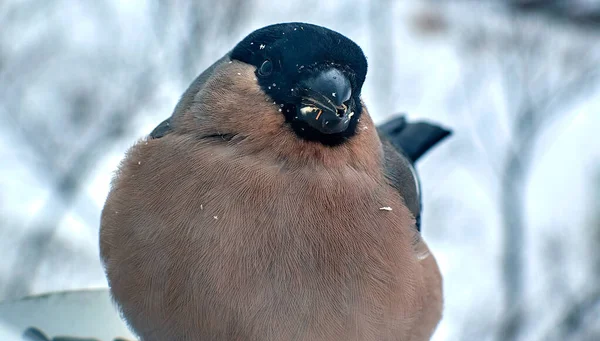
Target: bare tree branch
(67, 147)
(538, 89)
(570, 323)
(68, 185)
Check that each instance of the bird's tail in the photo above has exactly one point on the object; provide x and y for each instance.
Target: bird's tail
(414, 139)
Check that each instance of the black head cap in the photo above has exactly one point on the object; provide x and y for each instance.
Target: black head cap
(313, 74)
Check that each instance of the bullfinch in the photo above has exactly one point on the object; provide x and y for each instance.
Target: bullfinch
(269, 206)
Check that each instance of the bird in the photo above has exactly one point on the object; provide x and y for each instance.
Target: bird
(269, 206)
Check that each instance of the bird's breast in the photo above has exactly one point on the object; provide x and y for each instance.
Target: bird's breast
(239, 237)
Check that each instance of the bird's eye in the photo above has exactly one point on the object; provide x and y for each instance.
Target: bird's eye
(266, 68)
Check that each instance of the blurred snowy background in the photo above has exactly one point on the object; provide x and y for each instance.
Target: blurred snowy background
(512, 200)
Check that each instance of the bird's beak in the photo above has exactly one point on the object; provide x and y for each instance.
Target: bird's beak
(324, 103)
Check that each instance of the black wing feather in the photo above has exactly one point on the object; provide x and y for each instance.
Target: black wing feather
(403, 144)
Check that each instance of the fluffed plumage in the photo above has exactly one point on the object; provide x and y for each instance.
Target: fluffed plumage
(269, 207)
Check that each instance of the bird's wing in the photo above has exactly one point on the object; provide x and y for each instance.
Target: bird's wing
(403, 144)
